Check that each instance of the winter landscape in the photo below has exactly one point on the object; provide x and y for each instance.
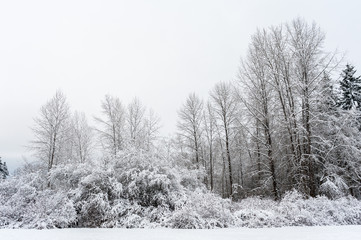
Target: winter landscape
(271, 150)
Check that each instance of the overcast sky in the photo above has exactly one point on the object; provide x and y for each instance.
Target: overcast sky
(159, 51)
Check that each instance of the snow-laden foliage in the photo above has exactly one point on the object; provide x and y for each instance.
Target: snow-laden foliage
(202, 209)
(146, 189)
(295, 210)
(134, 189)
(26, 202)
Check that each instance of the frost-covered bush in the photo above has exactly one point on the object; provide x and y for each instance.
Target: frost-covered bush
(147, 178)
(24, 204)
(202, 209)
(333, 187)
(68, 176)
(148, 187)
(319, 211)
(186, 218)
(257, 212)
(53, 210)
(134, 189)
(94, 196)
(295, 210)
(132, 215)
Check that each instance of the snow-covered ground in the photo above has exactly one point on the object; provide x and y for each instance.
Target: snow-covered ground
(289, 233)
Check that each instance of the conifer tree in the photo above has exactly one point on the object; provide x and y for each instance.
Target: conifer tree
(3, 170)
(350, 89)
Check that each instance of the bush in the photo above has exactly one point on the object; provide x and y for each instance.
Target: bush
(26, 202)
(295, 210)
(202, 209)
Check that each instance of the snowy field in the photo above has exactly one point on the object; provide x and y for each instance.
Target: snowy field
(289, 233)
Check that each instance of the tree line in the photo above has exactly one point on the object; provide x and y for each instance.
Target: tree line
(61, 136)
(284, 123)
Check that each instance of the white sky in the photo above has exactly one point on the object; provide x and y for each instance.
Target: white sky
(159, 51)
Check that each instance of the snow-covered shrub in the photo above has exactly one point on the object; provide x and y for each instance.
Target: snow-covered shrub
(202, 209)
(93, 197)
(26, 206)
(185, 218)
(34, 199)
(16, 205)
(134, 189)
(147, 178)
(53, 210)
(333, 187)
(149, 187)
(129, 214)
(295, 210)
(257, 212)
(319, 211)
(68, 176)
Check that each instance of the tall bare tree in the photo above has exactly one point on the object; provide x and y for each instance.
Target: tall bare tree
(151, 128)
(225, 110)
(310, 62)
(210, 133)
(112, 125)
(258, 99)
(190, 124)
(51, 130)
(82, 137)
(135, 121)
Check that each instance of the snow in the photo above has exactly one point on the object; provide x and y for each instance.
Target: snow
(315, 233)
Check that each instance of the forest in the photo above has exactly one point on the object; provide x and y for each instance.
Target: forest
(279, 145)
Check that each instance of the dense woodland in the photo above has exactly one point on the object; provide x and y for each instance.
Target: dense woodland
(286, 129)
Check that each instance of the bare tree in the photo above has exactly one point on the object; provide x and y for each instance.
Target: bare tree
(112, 125)
(190, 123)
(82, 137)
(135, 120)
(151, 127)
(258, 100)
(210, 133)
(306, 44)
(51, 130)
(225, 108)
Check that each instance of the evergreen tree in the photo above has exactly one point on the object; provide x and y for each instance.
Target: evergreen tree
(3, 170)
(350, 89)
(336, 144)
